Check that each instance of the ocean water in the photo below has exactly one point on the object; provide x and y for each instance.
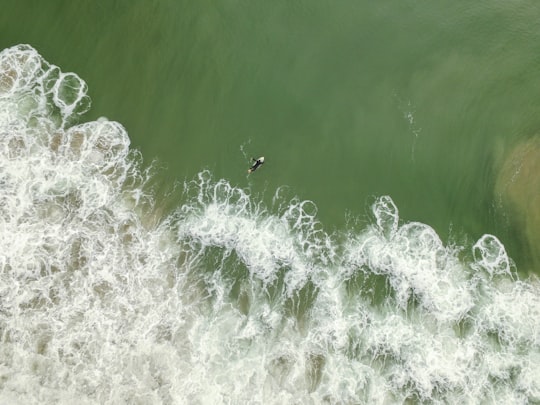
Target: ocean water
(107, 296)
(386, 253)
(347, 101)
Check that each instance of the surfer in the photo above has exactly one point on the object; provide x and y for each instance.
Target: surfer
(256, 165)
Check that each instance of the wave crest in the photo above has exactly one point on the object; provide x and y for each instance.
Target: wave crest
(106, 299)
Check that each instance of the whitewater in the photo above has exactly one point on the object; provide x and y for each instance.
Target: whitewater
(108, 297)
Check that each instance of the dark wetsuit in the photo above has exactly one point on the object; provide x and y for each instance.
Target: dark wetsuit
(257, 163)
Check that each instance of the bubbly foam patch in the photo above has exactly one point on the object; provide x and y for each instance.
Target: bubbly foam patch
(105, 299)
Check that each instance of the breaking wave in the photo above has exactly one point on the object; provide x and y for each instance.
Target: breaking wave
(106, 297)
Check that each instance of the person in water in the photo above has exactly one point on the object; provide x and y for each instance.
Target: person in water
(258, 162)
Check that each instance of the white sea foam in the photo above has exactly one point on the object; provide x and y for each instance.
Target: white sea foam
(105, 299)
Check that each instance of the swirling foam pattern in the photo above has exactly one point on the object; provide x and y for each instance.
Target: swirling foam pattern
(104, 298)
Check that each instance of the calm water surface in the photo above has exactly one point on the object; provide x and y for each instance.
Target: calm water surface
(347, 100)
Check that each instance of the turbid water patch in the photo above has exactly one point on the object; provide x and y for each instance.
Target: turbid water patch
(518, 190)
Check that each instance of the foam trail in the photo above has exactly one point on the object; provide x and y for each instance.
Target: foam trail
(106, 299)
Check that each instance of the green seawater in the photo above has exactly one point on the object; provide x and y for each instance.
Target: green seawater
(347, 100)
